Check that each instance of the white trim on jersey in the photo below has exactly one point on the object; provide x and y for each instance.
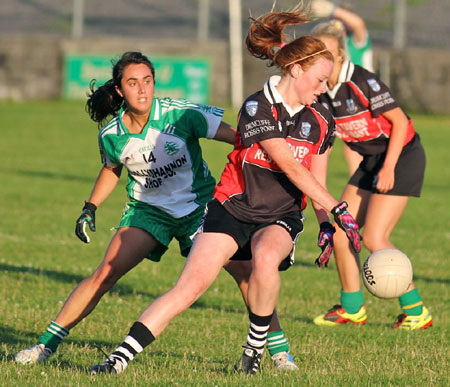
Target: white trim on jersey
(344, 76)
(273, 81)
(156, 110)
(214, 118)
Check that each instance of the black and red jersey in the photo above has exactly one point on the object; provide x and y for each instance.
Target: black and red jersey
(252, 187)
(358, 102)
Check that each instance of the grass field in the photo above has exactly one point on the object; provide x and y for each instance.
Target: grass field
(49, 161)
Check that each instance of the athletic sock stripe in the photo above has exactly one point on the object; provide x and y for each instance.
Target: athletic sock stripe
(119, 354)
(128, 348)
(278, 340)
(259, 328)
(275, 338)
(257, 337)
(133, 343)
(258, 333)
(256, 341)
(276, 343)
(62, 332)
(56, 333)
(276, 333)
(413, 305)
(126, 352)
(256, 344)
(58, 328)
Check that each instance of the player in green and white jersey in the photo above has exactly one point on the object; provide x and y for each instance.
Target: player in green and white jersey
(157, 141)
(168, 181)
(164, 161)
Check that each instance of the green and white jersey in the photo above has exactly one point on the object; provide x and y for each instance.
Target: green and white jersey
(361, 53)
(164, 162)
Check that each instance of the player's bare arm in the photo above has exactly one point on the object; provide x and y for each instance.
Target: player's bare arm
(279, 151)
(225, 133)
(319, 167)
(104, 185)
(399, 122)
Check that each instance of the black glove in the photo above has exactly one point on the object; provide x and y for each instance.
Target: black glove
(347, 223)
(325, 242)
(87, 217)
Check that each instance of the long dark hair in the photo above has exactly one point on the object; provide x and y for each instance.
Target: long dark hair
(104, 101)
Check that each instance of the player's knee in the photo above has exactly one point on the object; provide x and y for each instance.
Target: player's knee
(184, 296)
(373, 240)
(265, 263)
(239, 270)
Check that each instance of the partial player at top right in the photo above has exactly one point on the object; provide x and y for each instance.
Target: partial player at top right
(357, 45)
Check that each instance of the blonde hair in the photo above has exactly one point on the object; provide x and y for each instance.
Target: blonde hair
(334, 29)
(266, 39)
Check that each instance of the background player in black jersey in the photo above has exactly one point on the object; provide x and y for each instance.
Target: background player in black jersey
(357, 45)
(261, 193)
(370, 121)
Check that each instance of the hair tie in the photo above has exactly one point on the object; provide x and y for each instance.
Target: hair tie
(305, 57)
(282, 45)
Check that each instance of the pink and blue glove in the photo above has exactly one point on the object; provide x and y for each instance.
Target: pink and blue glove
(325, 242)
(347, 223)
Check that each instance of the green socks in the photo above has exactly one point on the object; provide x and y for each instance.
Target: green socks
(277, 342)
(411, 303)
(53, 336)
(352, 301)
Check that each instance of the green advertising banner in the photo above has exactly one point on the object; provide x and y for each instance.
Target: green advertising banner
(175, 77)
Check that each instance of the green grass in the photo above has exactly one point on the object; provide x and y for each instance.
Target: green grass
(49, 160)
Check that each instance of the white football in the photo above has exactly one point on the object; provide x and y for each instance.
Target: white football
(387, 273)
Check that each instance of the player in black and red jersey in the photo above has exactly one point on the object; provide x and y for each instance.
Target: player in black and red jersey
(280, 156)
(370, 121)
(358, 47)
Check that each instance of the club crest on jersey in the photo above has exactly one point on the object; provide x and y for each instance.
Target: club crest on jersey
(251, 107)
(305, 130)
(171, 148)
(374, 85)
(351, 107)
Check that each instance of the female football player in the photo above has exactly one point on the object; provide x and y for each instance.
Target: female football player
(358, 47)
(370, 121)
(280, 156)
(157, 141)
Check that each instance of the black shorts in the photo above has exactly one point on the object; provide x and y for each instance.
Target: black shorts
(218, 219)
(409, 171)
